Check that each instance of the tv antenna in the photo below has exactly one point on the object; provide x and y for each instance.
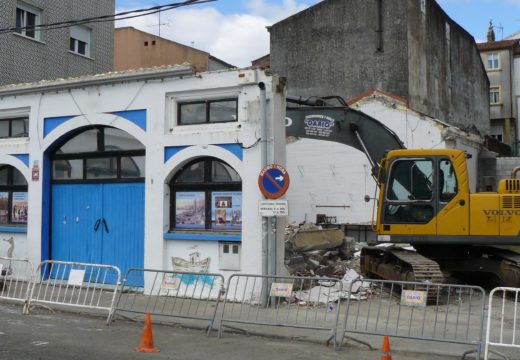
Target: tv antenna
(159, 24)
(499, 27)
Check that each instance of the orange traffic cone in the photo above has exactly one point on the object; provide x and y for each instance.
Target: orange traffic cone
(146, 344)
(386, 349)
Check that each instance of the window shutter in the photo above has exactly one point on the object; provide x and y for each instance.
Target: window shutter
(80, 33)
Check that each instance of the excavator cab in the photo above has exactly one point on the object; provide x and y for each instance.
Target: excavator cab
(425, 195)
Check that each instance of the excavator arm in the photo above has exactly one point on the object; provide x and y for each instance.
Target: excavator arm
(346, 126)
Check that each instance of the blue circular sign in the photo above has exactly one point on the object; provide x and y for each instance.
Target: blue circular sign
(273, 181)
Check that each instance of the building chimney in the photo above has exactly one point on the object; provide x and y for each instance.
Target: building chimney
(491, 32)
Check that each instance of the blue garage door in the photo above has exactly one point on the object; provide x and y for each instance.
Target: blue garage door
(98, 199)
(99, 223)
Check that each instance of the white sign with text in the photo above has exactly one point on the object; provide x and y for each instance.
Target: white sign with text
(269, 208)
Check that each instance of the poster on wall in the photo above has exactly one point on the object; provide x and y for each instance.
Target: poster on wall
(190, 210)
(226, 210)
(20, 204)
(4, 207)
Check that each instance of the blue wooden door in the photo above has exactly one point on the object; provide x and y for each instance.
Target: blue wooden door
(75, 210)
(99, 224)
(123, 236)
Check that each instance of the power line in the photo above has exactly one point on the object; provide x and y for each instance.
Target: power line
(106, 18)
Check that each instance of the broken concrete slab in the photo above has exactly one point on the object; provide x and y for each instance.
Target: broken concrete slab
(306, 240)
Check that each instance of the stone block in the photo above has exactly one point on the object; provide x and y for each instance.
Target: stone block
(307, 240)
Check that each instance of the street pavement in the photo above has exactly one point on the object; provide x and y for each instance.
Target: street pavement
(74, 335)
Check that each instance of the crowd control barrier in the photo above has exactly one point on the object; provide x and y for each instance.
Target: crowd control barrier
(72, 284)
(187, 295)
(417, 310)
(283, 301)
(15, 277)
(503, 322)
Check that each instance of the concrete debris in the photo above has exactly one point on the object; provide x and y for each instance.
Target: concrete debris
(350, 280)
(317, 295)
(328, 292)
(322, 239)
(313, 251)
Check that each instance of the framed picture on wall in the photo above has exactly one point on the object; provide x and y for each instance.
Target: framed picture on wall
(190, 209)
(226, 210)
(4, 207)
(19, 207)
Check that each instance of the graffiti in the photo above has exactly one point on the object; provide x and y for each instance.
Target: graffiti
(193, 265)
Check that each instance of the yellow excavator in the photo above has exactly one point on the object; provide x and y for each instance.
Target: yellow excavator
(425, 201)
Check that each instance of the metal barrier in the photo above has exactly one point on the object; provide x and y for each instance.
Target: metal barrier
(506, 333)
(72, 284)
(15, 278)
(283, 301)
(187, 295)
(416, 310)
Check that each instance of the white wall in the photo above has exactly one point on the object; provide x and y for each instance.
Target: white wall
(93, 103)
(333, 179)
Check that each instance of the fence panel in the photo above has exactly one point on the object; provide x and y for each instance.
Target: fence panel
(15, 277)
(503, 323)
(283, 301)
(72, 284)
(416, 310)
(188, 295)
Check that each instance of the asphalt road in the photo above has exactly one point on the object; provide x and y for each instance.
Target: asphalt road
(64, 335)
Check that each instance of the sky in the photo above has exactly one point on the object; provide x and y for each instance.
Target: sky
(235, 30)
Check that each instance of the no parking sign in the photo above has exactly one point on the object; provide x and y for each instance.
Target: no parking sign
(273, 181)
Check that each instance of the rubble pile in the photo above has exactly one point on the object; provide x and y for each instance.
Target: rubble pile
(326, 292)
(313, 251)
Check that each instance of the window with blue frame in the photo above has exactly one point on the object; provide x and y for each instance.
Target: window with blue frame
(206, 195)
(13, 197)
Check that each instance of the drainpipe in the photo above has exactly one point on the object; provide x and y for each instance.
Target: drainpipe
(263, 142)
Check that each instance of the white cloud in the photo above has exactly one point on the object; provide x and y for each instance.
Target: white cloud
(234, 38)
(275, 12)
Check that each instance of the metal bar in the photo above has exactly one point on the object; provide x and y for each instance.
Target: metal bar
(251, 297)
(514, 320)
(447, 312)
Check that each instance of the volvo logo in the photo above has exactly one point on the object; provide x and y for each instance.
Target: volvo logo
(502, 212)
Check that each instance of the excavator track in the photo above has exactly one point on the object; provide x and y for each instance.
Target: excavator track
(481, 265)
(424, 269)
(395, 263)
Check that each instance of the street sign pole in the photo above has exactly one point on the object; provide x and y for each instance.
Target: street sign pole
(273, 182)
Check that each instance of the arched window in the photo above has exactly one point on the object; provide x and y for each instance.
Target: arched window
(13, 196)
(206, 194)
(99, 153)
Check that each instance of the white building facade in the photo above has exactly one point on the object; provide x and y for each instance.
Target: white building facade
(154, 168)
